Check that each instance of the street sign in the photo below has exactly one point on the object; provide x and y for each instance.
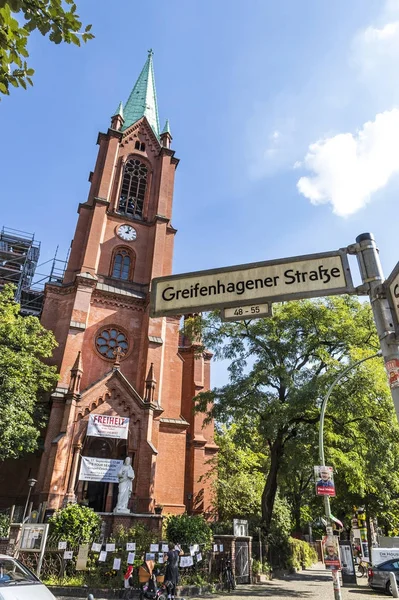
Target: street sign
(392, 287)
(242, 313)
(308, 276)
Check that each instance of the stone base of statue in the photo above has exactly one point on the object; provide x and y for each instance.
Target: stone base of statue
(121, 511)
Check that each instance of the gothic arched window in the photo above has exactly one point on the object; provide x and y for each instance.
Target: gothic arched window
(122, 264)
(134, 183)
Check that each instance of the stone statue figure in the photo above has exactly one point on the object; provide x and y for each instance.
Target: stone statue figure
(125, 477)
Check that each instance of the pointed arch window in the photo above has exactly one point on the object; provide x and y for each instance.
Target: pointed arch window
(134, 185)
(122, 264)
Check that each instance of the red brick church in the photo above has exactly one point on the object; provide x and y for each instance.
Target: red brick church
(113, 359)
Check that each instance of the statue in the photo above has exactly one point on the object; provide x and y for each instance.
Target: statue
(125, 477)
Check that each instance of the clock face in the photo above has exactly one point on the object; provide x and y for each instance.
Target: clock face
(127, 233)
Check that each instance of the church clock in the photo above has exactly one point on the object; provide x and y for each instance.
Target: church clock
(126, 233)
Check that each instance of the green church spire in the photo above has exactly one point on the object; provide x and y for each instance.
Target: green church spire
(119, 110)
(142, 101)
(166, 129)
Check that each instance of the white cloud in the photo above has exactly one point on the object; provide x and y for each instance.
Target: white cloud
(348, 168)
(388, 31)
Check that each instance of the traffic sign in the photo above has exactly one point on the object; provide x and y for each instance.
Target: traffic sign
(308, 276)
(243, 313)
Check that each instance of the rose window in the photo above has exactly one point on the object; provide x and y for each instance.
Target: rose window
(109, 340)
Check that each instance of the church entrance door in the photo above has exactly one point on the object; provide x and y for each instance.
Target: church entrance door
(100, 496)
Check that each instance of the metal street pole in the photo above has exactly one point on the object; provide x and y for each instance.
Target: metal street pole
(31, 483)
(335, 574)
(373, 277)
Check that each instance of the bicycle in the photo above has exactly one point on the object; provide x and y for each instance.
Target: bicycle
(228, 581)
(362, 567)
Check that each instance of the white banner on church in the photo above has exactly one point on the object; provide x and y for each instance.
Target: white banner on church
(99, 469)
(108, 426)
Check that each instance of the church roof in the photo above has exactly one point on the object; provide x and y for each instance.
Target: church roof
(142, 101)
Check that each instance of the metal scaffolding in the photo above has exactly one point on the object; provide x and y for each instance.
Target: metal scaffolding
(19, 257)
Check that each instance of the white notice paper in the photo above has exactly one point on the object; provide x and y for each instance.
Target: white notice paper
(131, 546)
(154, 547)
(110, 547)
(68, 554)
(215, 547)
(103, 556)
(199, 557)
(62, 545)
(160, 559)
(165, 547)
(192, 550)
(150, 556)
(117, 564)
(220, 547)
(96, 547)
(196, 547)
(189, 561)
(130, 558)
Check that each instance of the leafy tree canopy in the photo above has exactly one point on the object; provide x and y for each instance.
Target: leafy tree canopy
(18, 18)
(279, 372)
(23, 375)
(240, 476)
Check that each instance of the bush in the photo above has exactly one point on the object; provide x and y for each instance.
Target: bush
(188, 530)
(302, 554)
(75, 524)
(4, 525)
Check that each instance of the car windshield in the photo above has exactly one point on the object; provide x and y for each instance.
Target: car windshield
(13, 573)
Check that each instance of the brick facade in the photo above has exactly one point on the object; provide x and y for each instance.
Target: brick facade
(154, 381)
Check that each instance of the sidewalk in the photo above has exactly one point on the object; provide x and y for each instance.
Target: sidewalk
(312, 584)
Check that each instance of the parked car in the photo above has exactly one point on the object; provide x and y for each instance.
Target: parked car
(19, 583)
(378, 576)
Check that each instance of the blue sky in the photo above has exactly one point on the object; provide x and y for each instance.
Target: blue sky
(284, 115)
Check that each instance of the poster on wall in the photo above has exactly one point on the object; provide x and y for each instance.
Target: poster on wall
(324, 480)
(99, 469)
(108, 426)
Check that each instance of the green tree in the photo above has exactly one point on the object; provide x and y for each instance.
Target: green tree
(240, 476)
(18, 18)
(280, 368)
(23, 376)
(75, 524)
(362, 444)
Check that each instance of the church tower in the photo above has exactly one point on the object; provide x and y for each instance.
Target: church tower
(113, 359)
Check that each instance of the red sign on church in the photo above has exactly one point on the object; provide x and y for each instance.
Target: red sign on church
(108, 426)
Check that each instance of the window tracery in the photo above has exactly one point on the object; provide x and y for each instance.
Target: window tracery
(134, 184)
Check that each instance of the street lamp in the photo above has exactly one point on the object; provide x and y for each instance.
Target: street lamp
(336, 585)
(31, 484)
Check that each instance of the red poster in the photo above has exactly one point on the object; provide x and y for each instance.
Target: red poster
(324, 480)
(392, 367)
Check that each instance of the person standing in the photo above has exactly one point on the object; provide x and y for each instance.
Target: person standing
(172, 569)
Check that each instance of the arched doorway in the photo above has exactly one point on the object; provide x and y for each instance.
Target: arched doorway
(100, 496)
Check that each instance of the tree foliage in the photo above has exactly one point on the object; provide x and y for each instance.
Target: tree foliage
(280, 369)
(240, 479)
(75, 524)
(188, 530)
(18, 18)
(23, 376)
